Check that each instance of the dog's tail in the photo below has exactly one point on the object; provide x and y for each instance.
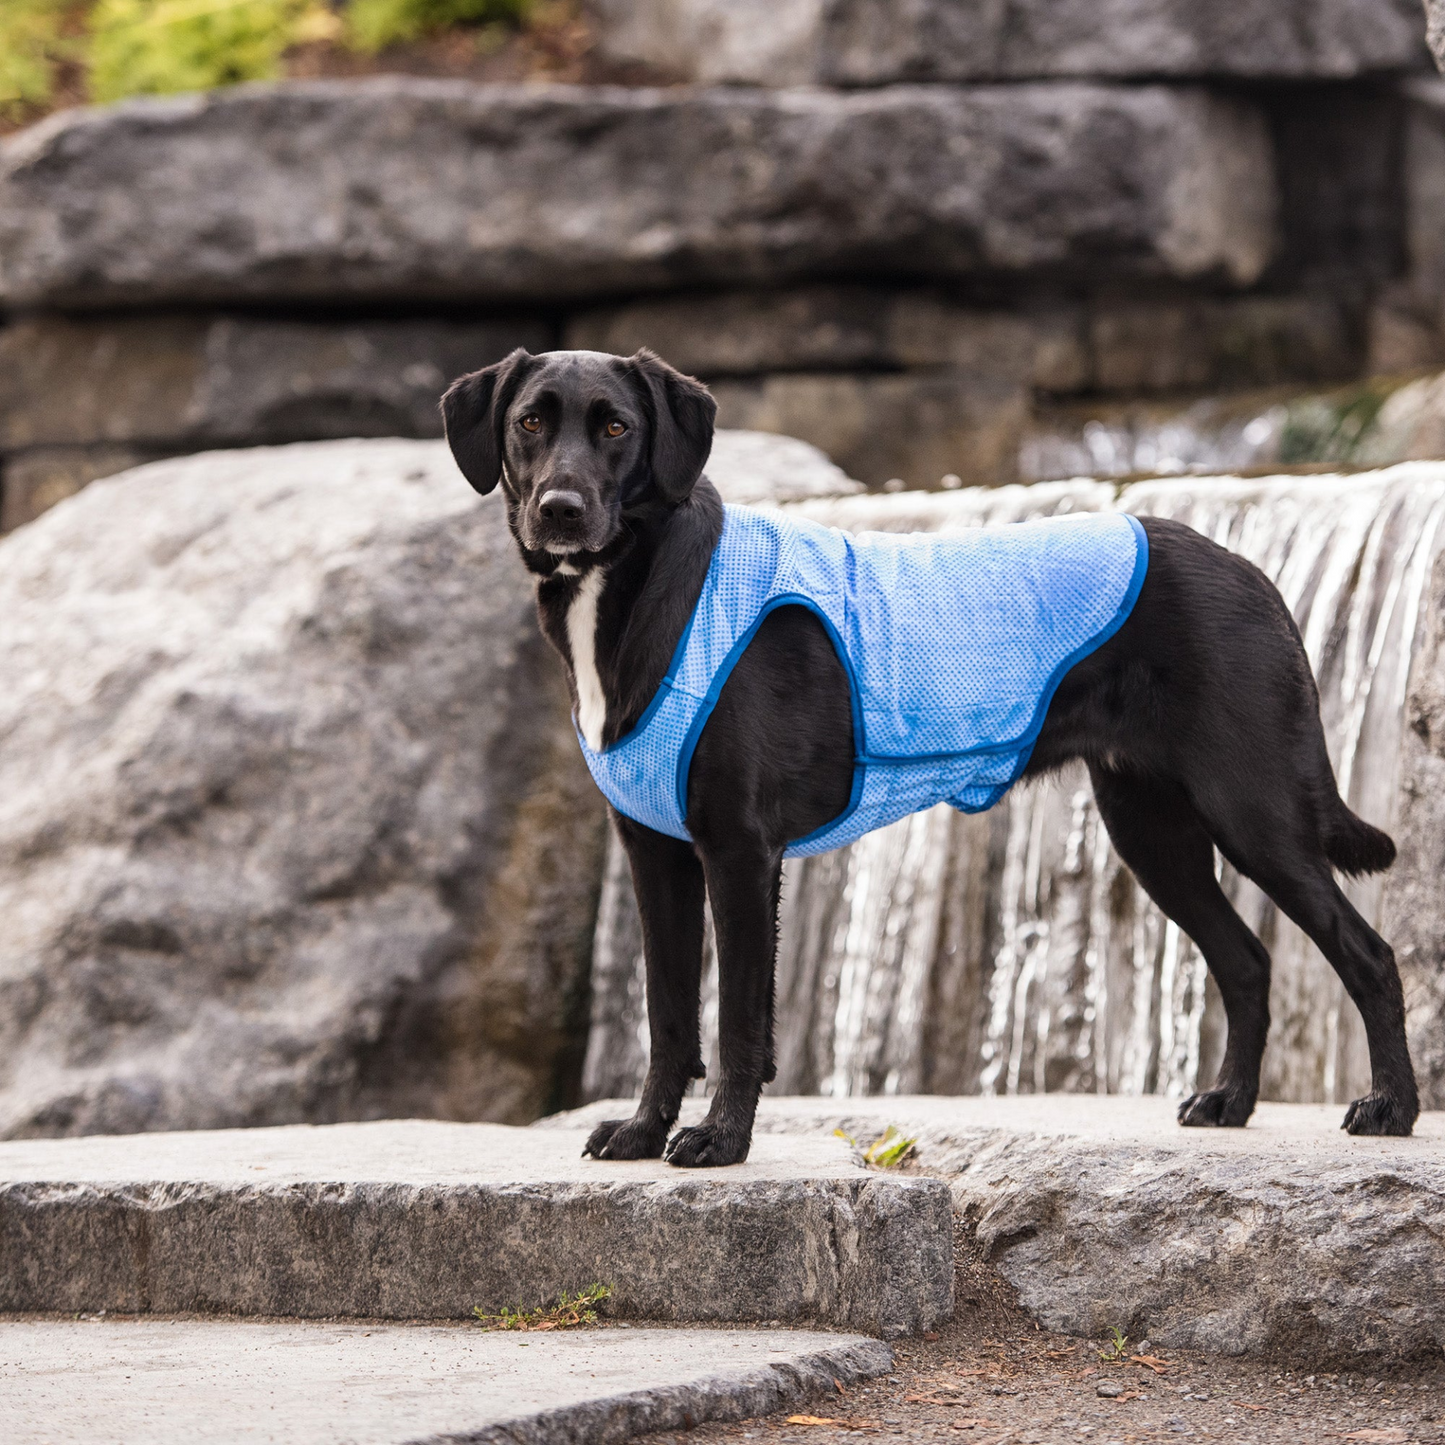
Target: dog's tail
(1353, 846)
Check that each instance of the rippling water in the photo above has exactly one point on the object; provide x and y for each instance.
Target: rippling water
(1012, 952)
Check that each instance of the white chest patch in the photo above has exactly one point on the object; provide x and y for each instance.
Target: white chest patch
(582, 644)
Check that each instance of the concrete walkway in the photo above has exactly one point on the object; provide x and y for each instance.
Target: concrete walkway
(1289, 1235)
(159, 1382)
(424, 1220)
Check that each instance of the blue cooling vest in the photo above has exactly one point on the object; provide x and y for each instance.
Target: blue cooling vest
(953, 647)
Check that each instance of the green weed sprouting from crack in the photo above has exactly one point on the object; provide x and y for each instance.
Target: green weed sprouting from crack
(888, 1150)
(570, 1312)
(1117, 1348)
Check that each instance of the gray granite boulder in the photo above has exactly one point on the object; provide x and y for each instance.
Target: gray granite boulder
(292, 822)
(417, 1219)
(400, 189)
(1435, 30)
(874, 42)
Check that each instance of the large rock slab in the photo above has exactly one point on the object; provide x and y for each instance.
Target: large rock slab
(1288, 1236)
(892, 429)
(189, 382)
(425, 1220)
(292, 821)
(152, 1382)
(406, 189)
(875, 42)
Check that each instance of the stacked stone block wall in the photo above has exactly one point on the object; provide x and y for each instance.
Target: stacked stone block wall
(903, 231)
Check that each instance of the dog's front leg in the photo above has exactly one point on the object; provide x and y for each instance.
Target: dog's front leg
(668, 881)
(742, 883)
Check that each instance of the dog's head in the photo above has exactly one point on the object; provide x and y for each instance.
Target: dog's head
(579, 441)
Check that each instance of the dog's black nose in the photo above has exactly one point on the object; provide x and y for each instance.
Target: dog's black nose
(561, 506)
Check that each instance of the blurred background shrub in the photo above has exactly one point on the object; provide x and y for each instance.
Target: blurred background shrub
(33, 38)
(156, 47)
(372, 25)
(55, 52)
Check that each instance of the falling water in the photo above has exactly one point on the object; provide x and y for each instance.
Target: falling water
(1012, 952)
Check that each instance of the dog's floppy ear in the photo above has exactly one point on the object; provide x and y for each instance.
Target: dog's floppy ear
(682, 424)
(472, 412)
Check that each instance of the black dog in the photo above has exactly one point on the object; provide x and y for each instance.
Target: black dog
(1198, 720)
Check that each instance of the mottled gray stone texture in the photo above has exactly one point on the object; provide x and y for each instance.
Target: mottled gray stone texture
(189, 382)
(154, 1382)
(875, 42)
(1288, 1236)
(403, 189)
(1435, 16)
(423, 1220)
(293, 825)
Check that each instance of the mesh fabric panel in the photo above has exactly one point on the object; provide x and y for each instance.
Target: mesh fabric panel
(953, 647)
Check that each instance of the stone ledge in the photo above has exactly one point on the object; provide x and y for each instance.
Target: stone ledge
(402, 189)
(153, 1382)
(1286, 1237)
(419, 1220)
(875, 42)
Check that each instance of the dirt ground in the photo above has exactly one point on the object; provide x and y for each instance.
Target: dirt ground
(993, 1378)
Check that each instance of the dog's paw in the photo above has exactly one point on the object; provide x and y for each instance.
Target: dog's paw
(1379, 1114)
(625, 1139)
(706, 1145)
(1215, 1109)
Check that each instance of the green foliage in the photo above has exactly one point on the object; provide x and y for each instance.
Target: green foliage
(1117, 1348)
(570, 1311)
(374, 24)
(158, 47)
(888, 1149)
(31, 41)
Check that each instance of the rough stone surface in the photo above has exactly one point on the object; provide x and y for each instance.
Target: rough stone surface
(912, 427)
(1435, 31)
(1287, 1236)
(188, 382)
(33, 482)
(1112, 345)
(873, 42)
(153, 1382)
(1407, 323)
(405, 189)
(753, 467)
(811, 328)
(426, 1220)
(292, 820)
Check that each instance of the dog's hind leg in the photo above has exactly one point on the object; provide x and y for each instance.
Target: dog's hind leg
(1158, 834)
(668, 881)
(1270, 829)
(1309, 895)
(743, 881)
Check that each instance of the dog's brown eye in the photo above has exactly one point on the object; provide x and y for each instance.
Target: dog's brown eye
(615, 428)
(531, 422)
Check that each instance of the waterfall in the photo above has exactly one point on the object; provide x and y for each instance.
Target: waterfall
(1011, 951)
